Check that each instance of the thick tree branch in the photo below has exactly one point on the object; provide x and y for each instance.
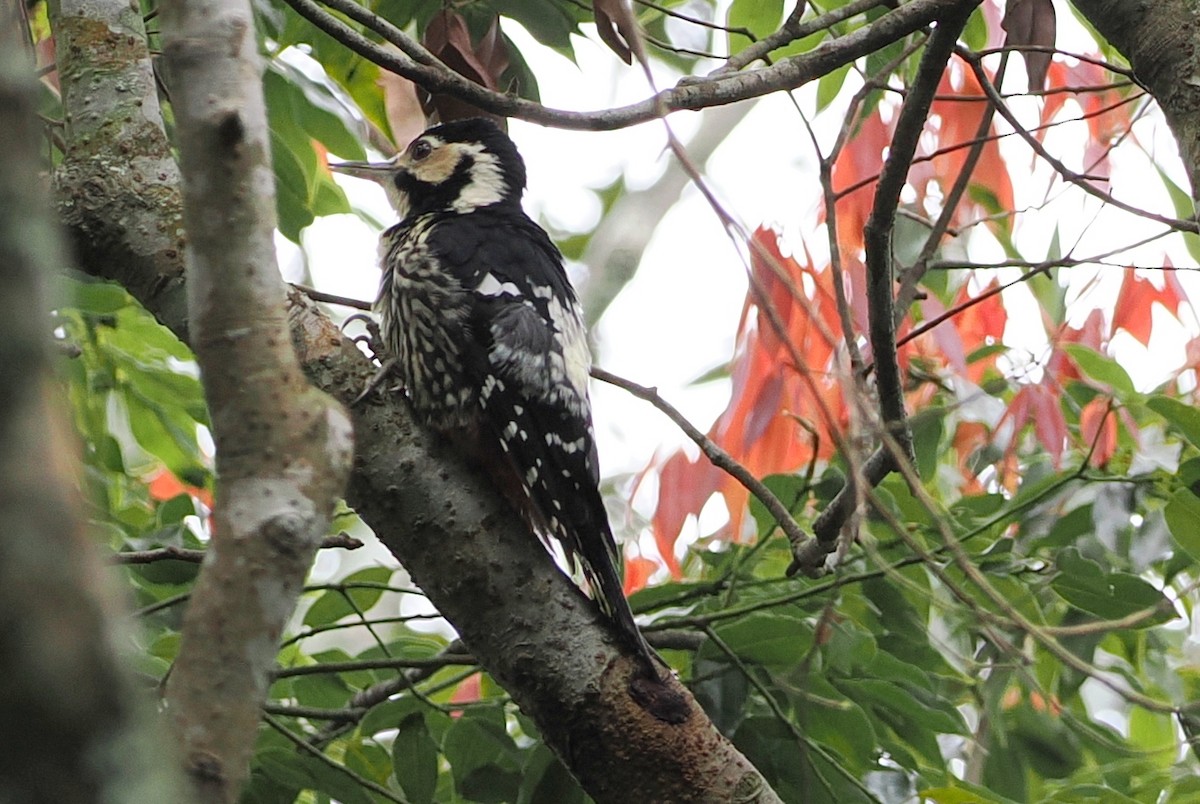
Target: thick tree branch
(283, 448)
(690, 94)
(460, 541)
(118, 184)
(75, 728)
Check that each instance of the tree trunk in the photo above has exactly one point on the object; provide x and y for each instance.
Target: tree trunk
(74, 726)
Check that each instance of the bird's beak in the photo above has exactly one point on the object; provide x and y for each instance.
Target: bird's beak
(375, 171)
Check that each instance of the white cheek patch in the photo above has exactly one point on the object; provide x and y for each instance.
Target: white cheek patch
(487, 185)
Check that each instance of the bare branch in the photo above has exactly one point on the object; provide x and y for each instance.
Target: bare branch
(719, 457)
(173, 553)
(690, 94)
(1084, 182)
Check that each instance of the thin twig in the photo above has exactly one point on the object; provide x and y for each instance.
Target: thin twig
(320, 755)
(691, 94)
(332, 298)
(172, 553)
(1078, 179)
(718, 456)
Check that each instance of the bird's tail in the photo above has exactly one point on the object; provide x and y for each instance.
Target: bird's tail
(600, 569)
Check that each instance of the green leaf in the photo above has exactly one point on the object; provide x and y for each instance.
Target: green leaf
(296, 101)
(1100, 367)
(1184, 208)
(334, 604)
(291, 189)
(792, 491)
(552, 24)
(760, 17)
(1087, 793)
(165, 434)
(337, 784)
(975, 33)
(545, 779)
(1183, 520)
(415, 759)
(1051, 296)
(285, 767)
(923, 710)
(770, 638)
(927, 431)
(323, 690)
(99, 298)
(1184, 417)
(964, 794)
(484, 760)
(837, 723)
(1085, 585)
(721, 690)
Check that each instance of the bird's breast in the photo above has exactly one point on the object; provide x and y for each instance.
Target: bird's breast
(424, 319)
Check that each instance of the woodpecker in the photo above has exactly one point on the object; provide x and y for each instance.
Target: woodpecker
(485, 332)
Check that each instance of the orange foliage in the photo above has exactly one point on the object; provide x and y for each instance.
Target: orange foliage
(1107, 114)
(788, 405)
(968, 438)
(859, 162)
(637, 573)
(469, 690)
(1098, 425)
(1138, 295)
(163, 486)
(959, 110)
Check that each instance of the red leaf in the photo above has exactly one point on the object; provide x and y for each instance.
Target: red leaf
(1098, 425)
(163, 486)
(449, 38)
(469, 690)
(1060, 367)
(1039, 405)
(684, 486)
(859, 162)
(637, 573)
(1134, 302)
(958, 113)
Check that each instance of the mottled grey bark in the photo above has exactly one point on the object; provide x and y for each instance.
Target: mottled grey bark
(118, 184)
(1161, 40)
(73, 727)
(528, 624)
(283, 447)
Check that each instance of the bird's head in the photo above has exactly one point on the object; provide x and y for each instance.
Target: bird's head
(454, 167)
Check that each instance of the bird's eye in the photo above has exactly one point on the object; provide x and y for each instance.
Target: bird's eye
(419, 150)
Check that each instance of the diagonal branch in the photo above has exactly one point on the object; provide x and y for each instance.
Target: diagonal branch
(878, 234)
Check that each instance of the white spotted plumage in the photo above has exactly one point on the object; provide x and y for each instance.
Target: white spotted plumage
(489, 341)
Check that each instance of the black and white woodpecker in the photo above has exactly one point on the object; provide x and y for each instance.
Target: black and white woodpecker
(485, 333)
